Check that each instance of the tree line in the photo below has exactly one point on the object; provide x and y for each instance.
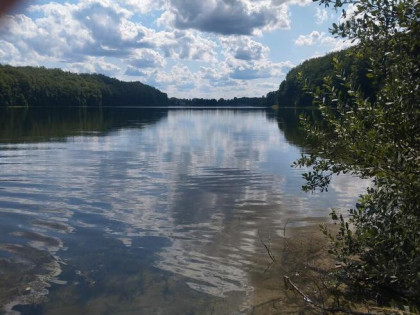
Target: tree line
(42, 87)
(39, 86)
(35, 87)
(292, 93)
(236, 101)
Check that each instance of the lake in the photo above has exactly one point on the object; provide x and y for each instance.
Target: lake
(151, 211)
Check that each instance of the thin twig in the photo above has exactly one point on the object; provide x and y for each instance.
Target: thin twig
(269, 267)
(285, 243)
(284, 228)
(265, 303)
(290, 285)
(267, 248)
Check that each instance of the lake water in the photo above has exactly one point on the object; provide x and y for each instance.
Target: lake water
(150, 211)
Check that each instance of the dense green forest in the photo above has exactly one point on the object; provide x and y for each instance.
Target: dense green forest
(236, 101)
(292, 94)
(34, 87)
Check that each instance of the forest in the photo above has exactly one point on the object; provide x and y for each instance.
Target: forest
(35, 87)
(236, 101)
(291, 92)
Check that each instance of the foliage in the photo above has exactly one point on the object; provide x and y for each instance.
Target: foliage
(241, 101)
(377, 137)
(34, 87)
(291, 92)
(41, 87)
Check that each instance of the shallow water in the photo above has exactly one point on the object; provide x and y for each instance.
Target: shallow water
(154, 211)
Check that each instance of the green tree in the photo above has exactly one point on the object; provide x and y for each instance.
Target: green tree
(38, 87)
(375, 137)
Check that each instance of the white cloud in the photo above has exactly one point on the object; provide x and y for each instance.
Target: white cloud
(78, 33)
(351, 11)
(144, 6)
(179, 81)
(135, 72)
(247, 59)
(184, 47)
(227, 17)
(320, 38)
(321, 15)
(146, 58)
(232, 77)
(257, 69)
(8, 52)
(95, 65)
(301, 3)
(245, 48)
(310, 39)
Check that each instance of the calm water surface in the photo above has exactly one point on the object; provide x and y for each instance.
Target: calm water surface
(149, 211)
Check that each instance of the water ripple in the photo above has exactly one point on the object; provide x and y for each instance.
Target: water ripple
(194, 189)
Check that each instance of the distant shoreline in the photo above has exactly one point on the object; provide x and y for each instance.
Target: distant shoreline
(161, 107)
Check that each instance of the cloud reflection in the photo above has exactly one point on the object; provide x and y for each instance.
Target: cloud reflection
(208, 181)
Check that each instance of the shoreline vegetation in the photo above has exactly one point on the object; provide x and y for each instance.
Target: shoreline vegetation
(295, 274)
(37, 87)
(23, 87)
(369, 127)
(376, 136)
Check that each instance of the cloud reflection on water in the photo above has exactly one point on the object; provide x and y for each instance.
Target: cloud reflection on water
(208, 181)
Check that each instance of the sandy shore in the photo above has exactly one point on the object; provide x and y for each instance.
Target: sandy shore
(303, 257)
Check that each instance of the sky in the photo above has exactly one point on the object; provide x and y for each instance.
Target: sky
(186, 48)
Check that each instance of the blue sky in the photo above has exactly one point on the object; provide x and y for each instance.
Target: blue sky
(186, 48)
